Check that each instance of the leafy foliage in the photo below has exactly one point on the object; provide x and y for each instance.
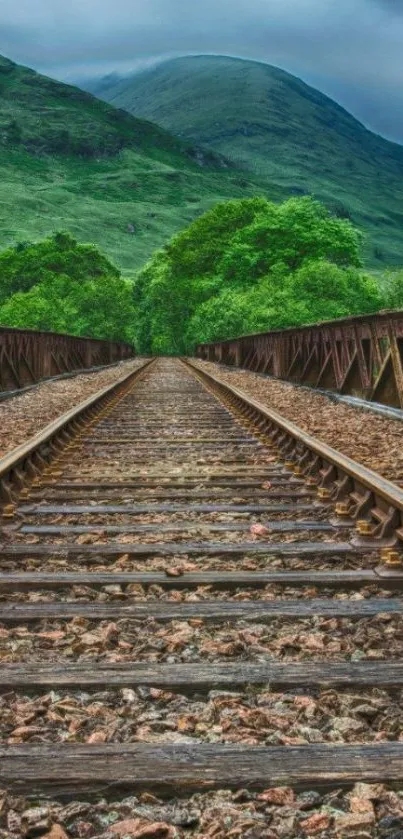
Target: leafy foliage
(248, 266)
(61, 286)
(318, 291)
(392, 284)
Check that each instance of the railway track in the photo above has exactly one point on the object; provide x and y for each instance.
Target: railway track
(191, 590)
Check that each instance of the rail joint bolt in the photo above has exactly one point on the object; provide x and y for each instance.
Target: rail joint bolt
(342, 509)
(8, 511)
(364, 527)
(391, 558)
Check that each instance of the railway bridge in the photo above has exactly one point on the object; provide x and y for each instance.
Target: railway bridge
(201, 607)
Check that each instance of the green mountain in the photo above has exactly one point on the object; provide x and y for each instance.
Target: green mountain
(68, 161)
(279, 128)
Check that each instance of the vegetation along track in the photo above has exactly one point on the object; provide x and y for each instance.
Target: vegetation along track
(196, 596)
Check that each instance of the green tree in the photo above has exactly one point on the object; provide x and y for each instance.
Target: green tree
(197, 251)
(234, 270)
(62, 286)
(289, 235)
(318, 291)
(28, 264)
(323, 291)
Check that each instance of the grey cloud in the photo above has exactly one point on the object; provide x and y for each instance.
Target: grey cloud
(349, 49)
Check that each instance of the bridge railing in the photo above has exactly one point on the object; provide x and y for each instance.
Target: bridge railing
(27, 356)
(360, 356)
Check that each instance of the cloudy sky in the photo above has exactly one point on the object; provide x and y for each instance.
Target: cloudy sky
(350, 49)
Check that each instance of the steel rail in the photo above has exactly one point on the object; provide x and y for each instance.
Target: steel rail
(184, 403)
(359, 493)
(26, 462)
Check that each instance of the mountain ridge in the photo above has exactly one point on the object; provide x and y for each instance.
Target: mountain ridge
(69, 161)
(281, 129)
(114, 79)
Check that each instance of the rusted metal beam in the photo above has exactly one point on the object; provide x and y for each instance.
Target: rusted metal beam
(26, 356)
(361, 356)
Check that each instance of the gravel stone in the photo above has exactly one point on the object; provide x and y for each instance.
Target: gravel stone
(27, 414)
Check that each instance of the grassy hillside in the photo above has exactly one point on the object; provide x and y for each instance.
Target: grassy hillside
(69, 161)
(282, 130)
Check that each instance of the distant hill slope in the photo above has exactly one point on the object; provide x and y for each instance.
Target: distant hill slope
(281, 129)
(69, 161)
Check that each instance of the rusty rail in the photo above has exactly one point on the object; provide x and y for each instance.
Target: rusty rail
(360, 356)
(358, 494)
(27, 356)
(26, 463)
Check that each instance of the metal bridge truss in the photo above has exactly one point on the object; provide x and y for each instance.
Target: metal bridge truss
(359, 356)
(26, 356)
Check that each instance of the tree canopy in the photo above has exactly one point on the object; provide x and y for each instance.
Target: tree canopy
(62, 286)
(245, 266)
(251, 265)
